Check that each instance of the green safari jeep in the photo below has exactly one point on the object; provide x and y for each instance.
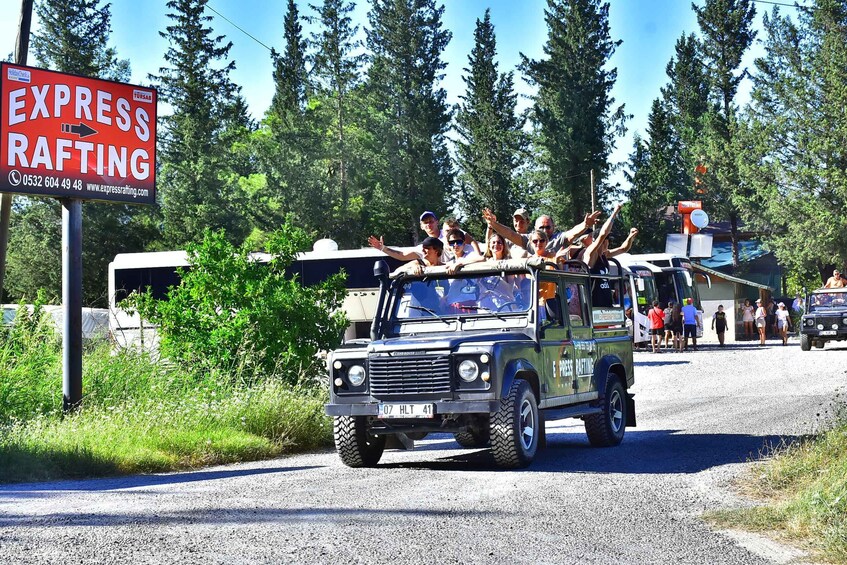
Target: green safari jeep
(487, 354)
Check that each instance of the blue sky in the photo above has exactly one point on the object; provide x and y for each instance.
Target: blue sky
(648, 28)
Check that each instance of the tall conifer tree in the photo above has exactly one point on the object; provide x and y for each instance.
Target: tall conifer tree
(336, 71)
(410, 117)
(194, 189)
(727, 28)
(573, 111)
(492, 142)
(795, 147)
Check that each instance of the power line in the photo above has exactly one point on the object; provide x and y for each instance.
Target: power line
(236, 26)
(796, 5)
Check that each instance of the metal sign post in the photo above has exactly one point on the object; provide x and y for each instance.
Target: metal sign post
(72, 303)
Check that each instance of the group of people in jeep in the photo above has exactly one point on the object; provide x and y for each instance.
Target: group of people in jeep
(454, 248)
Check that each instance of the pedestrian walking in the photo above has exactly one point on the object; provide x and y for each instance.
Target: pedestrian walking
(656, 317)
(689, 323)
(719, 323)
(748, 318)
(668, 325)
(761, 317)
(783, 321)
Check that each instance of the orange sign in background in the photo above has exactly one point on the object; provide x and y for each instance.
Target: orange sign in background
(69, 136)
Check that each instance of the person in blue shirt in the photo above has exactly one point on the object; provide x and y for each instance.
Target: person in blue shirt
(689, 323)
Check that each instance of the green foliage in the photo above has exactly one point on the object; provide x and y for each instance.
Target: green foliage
(407, 118)
(139, 416)
(30, 363)
(492, 144)
(244, 319)
(199, 189)
(573, 110)
(73, 37)
(792, 157)
(727, 27)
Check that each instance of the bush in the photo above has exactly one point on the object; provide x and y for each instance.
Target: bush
(237, 317)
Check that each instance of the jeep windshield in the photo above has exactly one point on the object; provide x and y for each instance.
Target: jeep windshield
(475, 295)
(828, 300)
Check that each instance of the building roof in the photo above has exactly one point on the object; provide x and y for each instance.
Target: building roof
(730, 278)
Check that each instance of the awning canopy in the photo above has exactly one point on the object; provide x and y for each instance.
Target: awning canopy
(730, 278)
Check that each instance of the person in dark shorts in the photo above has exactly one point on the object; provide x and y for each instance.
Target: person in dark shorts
(689, 324)
(719, 323)
(656, 316)
(676, 326)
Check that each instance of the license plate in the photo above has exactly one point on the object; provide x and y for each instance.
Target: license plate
(827, 332)
(406, 411)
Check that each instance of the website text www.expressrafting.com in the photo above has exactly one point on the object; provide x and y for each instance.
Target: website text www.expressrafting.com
(118, 189)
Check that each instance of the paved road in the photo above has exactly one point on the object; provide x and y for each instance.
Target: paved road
(701, 417)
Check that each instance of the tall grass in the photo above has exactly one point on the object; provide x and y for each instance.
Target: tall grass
(804, 489)
(139, 415)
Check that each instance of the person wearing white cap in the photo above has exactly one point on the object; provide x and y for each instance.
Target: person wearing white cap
(783, 321)
(761, 320)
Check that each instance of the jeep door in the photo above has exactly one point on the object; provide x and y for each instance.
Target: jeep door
(562, 318)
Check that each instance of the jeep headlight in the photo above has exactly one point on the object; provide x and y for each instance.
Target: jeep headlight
(356, 375)
(810, 322)
(844, 321)
(468, 370)
(820, 326)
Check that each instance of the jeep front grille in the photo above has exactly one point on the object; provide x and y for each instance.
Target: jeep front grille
(412, 374)
(828, 321)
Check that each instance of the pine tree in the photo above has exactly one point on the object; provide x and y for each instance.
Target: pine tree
(336, 71)
(492, 142)
(291, 82)
(195, 162)
(655, 179)
(793, 155)
(727, 31)
(687, 98)
(74, 38)
(573, 110)
(408, 115)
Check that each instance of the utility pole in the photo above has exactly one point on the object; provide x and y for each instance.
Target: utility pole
(593, 202)
(21, 49)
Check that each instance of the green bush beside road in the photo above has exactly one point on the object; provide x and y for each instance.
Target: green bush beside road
(219, 399)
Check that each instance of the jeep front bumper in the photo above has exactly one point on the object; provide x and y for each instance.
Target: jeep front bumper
(442, 407)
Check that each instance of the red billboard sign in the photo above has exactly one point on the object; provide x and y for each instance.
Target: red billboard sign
(69, 136)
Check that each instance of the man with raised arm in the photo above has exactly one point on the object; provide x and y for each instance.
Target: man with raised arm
(556, 239)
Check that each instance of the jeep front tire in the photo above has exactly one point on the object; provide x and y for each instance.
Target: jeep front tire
(805, 342)
(356, 447)
(514, 427)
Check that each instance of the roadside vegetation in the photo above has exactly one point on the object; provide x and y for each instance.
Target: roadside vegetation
(216, 400)
(804, 490)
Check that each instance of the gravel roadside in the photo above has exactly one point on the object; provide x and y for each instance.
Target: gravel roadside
(702, 416)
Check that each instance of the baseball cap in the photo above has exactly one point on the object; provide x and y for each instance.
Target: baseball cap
(522, 213)
(758, 301)
(781, 304)
(433, 242)
(428, 213)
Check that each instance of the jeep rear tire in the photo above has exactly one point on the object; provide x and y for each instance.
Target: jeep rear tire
(606, 429)
(514, 427)
(356, 447)
(805, 342)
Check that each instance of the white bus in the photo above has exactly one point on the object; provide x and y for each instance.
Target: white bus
(674, 276)
(157, 271)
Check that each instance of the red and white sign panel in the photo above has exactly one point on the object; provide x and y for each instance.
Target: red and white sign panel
(69, 136)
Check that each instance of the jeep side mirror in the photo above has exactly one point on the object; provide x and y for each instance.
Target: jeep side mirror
(381, 270)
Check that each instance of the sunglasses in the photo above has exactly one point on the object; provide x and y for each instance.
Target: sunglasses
(537, 241)
(456, 242)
